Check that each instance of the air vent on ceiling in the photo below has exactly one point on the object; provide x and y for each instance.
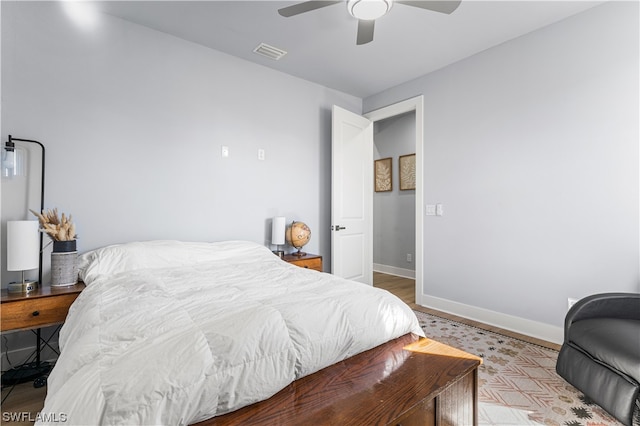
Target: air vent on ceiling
(269, 51)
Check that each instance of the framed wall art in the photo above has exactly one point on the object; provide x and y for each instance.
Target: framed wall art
(382, 175)
(407, 167)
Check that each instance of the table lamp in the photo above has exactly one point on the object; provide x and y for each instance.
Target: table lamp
(278, 226)
(23, 252)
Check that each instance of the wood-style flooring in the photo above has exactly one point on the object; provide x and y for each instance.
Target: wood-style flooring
(27, 399)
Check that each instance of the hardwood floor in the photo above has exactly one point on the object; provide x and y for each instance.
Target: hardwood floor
(404, 288)
(26, 399)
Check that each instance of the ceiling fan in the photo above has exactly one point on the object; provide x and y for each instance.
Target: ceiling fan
(367, 11)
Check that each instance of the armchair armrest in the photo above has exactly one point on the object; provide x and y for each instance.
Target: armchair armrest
(604, 305)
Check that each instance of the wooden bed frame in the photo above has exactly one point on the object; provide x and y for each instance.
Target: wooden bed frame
(407, 381)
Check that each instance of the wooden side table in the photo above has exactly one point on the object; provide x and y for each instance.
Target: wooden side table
(309, 261)
(42, 307)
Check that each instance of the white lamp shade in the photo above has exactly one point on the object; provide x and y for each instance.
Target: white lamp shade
(23, 245)
(278, 226)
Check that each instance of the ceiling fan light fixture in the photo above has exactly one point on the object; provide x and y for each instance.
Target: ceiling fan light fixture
(368, 10)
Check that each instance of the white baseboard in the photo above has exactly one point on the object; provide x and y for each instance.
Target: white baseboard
(520, 325)
(392, 270)
(22, 355)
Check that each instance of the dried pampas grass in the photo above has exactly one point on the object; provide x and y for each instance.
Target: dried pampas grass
(57, 228)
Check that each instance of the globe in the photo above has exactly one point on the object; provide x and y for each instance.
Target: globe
(298, 234)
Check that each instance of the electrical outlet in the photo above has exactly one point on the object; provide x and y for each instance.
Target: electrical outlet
(408, 257)
(261, 154)
(224, 151)
(570, 302)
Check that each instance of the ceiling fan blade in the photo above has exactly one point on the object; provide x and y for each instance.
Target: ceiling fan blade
(303, 7)
(365, 31)
(442, 6)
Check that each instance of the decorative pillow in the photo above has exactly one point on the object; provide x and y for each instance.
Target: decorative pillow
(155, 254)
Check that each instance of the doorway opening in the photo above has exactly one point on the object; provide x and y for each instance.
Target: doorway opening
(394, 231)
(396, 240)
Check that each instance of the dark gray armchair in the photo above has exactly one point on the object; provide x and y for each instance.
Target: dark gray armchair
(600, 355)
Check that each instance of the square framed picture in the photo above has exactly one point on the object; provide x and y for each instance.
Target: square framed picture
(407, 167)
(382, 175)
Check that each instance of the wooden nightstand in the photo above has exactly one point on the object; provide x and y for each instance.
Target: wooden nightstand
(310, 261)
(40, 308)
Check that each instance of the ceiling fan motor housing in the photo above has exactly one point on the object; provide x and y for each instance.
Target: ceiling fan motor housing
(369, 10)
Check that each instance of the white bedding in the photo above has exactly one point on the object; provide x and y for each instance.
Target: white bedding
(174, 333)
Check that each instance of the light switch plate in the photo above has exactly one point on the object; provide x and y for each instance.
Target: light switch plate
(430, 209)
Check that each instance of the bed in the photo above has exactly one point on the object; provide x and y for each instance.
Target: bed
(170, 332)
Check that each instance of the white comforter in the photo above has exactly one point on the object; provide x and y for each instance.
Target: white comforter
(226, 325)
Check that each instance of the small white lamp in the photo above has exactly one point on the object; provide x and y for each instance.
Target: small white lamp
(278, 227)
(23, 251)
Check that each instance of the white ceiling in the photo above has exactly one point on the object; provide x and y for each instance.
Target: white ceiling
(409, 42)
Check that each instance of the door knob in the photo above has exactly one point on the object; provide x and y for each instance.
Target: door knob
(338, 227)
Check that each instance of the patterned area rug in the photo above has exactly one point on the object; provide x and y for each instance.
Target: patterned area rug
(518, 384)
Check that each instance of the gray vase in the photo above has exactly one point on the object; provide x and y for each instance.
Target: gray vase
(64, 263)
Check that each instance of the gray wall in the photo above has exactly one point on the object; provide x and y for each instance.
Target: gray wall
(532, 148)
(394, 216)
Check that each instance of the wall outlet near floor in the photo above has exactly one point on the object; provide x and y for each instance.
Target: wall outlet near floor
(409, 257)
(570, 302)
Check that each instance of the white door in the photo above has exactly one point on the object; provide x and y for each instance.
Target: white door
(352, 196)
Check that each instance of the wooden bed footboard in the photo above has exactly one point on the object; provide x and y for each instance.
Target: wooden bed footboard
(406, 381)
